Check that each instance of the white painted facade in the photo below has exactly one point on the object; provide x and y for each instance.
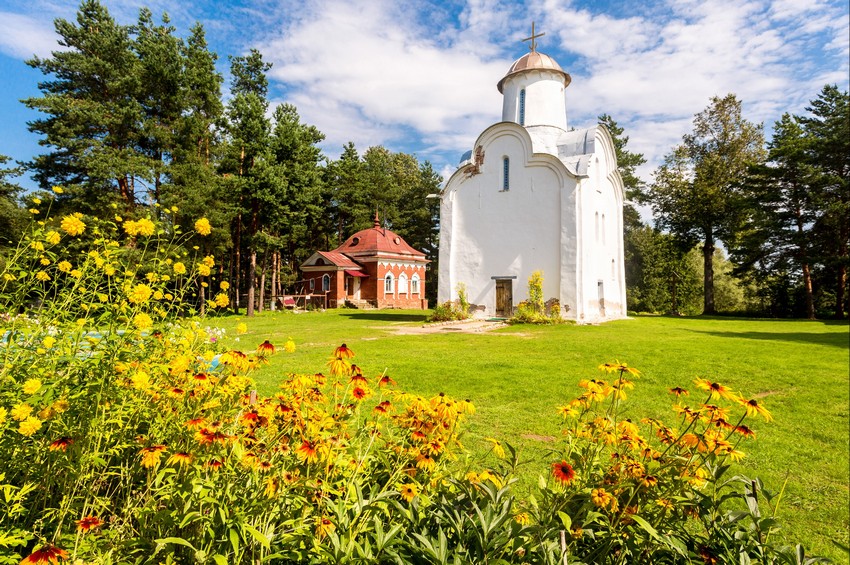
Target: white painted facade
(559, 211)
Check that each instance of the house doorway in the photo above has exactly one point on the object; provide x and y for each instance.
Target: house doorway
(504, 298)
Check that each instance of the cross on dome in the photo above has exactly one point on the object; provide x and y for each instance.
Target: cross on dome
(533, 38)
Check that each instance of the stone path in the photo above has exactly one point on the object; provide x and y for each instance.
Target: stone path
(466, 326)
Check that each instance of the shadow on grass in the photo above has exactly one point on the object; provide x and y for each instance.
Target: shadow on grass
(385, 316)
(832, 339)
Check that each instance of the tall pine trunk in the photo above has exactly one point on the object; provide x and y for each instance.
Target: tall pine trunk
(708, 274)
(262, 283)
(273, 290)
(841, 282)
(252, 275)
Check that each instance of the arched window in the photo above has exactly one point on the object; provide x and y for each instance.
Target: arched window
(414, 284)
(388, 284)
(522, 107)
(506, 174)
(312, 285)
(603, 228)
(402, 284)
(326, 283)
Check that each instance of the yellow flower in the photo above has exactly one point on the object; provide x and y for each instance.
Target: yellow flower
(49, 341)
(600, 497)
(42, 276)
(31, 386)
(224, 286)
(2, 416)
(8, 277)
(57, 189)
(72, 225)
(157, 295)
(151, 455)
(498, 450)
(174, 209)
(221, 300)
(203, 270)
(60, 406)
(209, 261)
(203, 226)
(523, 519)
(179, 269)
(408, 491)
(145, 227)
(129, 227)
(140, 294)
(53, 237)
(36, 201)
(109, 270)
(44, 261)
(141, 380)
(289, 346)
(142, 321)
(76, 273)
(64, 266)
(241, 328)
(29, 426)
(37, 245)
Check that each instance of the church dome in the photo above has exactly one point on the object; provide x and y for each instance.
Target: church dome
(534, 61)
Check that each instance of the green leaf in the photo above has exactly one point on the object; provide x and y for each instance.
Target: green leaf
(258, 535)
(565, 520)
(178, 541)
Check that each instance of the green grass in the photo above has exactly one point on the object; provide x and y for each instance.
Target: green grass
(516, 376)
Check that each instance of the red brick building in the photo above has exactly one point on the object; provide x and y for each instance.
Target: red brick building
(373, 267)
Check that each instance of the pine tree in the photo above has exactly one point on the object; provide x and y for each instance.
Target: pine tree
(829, 129)
(93, 112)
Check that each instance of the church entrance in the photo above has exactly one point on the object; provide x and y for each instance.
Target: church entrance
(504, 298)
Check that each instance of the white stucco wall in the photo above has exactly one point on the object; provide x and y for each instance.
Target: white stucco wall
(489, 232)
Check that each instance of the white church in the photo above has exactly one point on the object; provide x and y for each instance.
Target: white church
(535, 195)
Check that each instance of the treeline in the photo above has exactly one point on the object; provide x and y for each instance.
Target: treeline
(781, 209)
(135, 123)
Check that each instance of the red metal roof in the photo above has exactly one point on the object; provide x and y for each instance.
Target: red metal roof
(339, 260)
(379, 242)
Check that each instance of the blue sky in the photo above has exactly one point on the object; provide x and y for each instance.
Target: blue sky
(420, 75)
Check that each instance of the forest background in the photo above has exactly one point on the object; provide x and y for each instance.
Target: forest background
(135, 125)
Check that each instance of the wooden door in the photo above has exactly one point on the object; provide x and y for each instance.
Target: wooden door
(504, 298)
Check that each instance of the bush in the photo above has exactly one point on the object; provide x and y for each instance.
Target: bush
(447, 312)
(534, 310)
(129, 435)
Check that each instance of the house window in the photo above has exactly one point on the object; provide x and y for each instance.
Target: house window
(414, 284)
(402, 284)
(312, 285)
(388, 284)
(326, 283)
(522, 107)
(506, 173)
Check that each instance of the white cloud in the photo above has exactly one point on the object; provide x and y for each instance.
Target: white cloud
(363, 73)
(23, 36)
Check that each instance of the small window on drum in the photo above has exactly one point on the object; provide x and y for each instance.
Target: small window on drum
(506, 174)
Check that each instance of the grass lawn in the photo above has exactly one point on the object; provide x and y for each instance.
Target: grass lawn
(516, 376)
